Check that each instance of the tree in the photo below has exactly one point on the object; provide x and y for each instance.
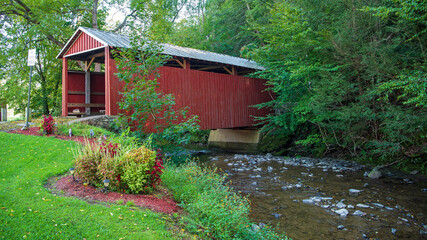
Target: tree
(330, 64)
(219, 26)
(46, 26)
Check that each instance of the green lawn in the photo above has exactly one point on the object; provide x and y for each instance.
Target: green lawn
(28, 210)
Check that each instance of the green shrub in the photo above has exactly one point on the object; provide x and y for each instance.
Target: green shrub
(140, 169)
(200, 136)
(212, 206)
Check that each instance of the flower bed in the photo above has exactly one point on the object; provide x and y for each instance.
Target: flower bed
(90, 193)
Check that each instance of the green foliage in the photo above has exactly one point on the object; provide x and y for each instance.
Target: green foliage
(347, 76)
(219, 26)
(31, 211)
(137, 167)
(412, 87)
(200, 136)
(173, 139)
(141, 102)
(125, 140)
(215, 210)
(45, 26)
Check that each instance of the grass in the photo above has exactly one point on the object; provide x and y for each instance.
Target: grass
(29, 210)
(79, 129)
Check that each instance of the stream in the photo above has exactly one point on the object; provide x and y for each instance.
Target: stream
(310, 198)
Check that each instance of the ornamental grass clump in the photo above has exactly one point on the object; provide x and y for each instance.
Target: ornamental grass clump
(87, 159)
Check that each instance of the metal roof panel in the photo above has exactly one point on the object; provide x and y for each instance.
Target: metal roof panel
(118, 40)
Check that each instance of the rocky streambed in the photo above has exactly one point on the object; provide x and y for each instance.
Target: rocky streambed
(328, 198)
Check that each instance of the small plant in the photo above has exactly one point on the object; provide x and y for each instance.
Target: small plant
(130, 204)
(119, 202)
(87, 159)
(141, 169)
(48, 125)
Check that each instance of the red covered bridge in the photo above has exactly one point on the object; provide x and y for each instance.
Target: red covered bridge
(212, 86)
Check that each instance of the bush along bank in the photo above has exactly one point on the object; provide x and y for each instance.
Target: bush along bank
(215, 210)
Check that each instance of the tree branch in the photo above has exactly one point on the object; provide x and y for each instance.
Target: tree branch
(121, 25)
(26, 14)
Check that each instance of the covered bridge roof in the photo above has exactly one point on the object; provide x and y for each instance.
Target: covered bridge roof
(122, 41)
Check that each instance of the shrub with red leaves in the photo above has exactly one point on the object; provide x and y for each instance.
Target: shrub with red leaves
(48, 125)
(109, 148)
(157, 169)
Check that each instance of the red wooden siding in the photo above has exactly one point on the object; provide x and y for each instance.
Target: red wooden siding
(83, 43)
(76, 83)
(220, 100)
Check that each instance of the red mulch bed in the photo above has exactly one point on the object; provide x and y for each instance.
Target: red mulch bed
(77, 189)
(34, 131)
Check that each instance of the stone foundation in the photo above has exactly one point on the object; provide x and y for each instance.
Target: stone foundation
(234, 139)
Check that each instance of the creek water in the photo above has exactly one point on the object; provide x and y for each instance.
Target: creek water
(327, 198)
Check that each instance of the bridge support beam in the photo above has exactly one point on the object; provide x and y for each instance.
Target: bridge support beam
(234, 139)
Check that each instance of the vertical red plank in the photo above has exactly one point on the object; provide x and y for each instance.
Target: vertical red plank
(107, 81)
(114, 87)
(64, 87)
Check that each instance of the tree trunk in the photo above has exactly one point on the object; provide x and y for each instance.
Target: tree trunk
(95, 14)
